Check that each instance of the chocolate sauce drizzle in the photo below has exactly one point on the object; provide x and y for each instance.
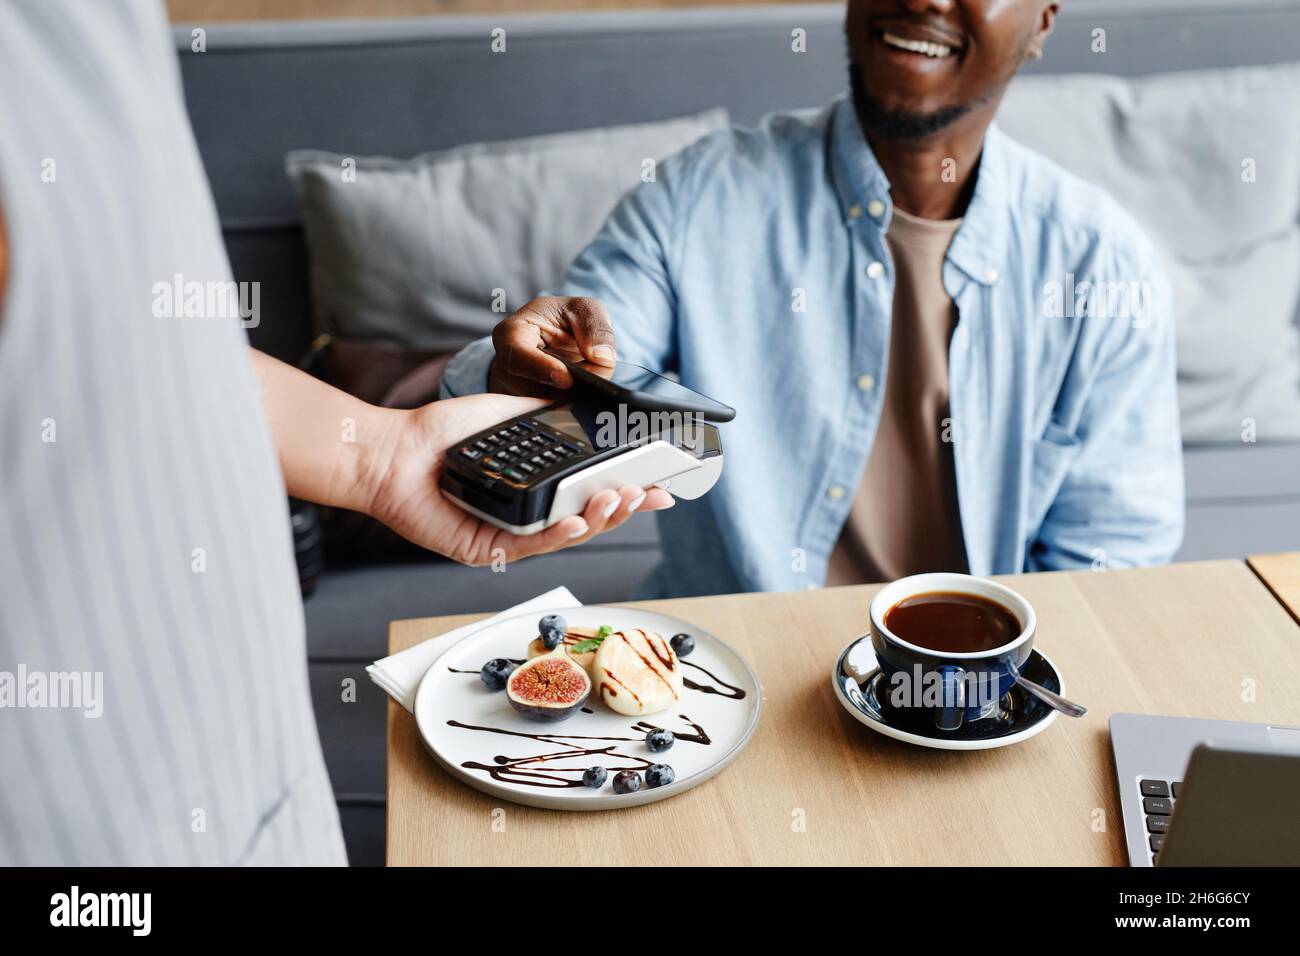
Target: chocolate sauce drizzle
(607, 688)
(541, 771)
(558, 739)
(525, 770)
(534, 772)
(666, 661)
(735, 692)
(699, 737)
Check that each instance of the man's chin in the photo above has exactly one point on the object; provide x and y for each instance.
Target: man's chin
(891, 123)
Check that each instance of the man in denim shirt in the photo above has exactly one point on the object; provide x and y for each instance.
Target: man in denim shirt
(994, 394)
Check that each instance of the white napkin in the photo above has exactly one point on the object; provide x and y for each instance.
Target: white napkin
(399, 674)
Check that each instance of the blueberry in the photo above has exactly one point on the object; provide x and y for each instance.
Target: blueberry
(659, 740)
(659, 775)
(552, 628)
(683, 644)
(495, 672)
(627, 781)
(594, 778)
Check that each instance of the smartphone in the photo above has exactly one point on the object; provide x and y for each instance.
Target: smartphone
(643, 388)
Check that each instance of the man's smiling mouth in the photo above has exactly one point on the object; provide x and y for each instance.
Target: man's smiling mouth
(928, 48)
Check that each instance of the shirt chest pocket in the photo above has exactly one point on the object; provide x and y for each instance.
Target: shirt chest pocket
(1052, 456)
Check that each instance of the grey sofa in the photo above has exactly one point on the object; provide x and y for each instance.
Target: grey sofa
(401, 87)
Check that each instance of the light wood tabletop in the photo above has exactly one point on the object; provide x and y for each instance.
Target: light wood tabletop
(1281, 574)
(1207, 639)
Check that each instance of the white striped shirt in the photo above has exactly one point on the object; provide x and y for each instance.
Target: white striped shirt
(144, 532)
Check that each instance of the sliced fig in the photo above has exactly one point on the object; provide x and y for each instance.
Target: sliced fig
(573, 635)
(549, 687)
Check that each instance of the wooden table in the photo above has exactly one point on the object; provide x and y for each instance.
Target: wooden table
(1210, 639)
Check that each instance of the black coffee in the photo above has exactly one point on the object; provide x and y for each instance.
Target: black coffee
(952, 622)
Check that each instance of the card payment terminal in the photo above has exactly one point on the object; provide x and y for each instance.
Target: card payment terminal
(634, 428)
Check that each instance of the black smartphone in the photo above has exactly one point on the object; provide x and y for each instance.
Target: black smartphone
(643, 388)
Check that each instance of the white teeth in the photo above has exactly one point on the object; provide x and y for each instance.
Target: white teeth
(917, 46)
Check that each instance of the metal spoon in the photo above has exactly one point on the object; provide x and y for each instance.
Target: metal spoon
(1050, 698)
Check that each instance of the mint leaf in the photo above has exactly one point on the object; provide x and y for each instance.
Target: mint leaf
(591, 643)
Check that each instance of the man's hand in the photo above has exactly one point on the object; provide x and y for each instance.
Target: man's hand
(406, 496)
(576, 328)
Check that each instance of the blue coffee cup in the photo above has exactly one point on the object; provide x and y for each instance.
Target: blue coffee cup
(945, 687)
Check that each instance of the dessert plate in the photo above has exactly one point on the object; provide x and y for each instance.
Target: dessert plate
(1024, 716)
(481, 740)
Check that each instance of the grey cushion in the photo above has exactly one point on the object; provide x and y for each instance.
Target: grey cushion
(1171, 149)
(413, 251)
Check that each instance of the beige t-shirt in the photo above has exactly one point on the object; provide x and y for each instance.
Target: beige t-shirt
(904, 517)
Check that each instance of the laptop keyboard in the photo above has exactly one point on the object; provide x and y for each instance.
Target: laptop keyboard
(1158, 798)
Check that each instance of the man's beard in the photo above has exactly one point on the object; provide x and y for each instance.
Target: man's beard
(896, 124)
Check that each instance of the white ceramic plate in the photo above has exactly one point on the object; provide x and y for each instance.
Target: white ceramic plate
(468, 727)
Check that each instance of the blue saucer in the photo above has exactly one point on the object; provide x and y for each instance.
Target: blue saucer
(1020, 715)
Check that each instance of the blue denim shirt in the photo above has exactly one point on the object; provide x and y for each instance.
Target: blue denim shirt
(755, 267)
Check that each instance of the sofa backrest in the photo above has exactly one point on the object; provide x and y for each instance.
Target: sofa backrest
(398, 87)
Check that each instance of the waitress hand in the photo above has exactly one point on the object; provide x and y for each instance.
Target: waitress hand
(574, 327)
(406, 496)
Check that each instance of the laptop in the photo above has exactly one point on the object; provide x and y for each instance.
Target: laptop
(1207, 792)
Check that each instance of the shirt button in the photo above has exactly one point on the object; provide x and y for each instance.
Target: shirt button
(866, 383)
(835, 492)
(876, 270)
(855, 211)
(876, 208)
(992, 275)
